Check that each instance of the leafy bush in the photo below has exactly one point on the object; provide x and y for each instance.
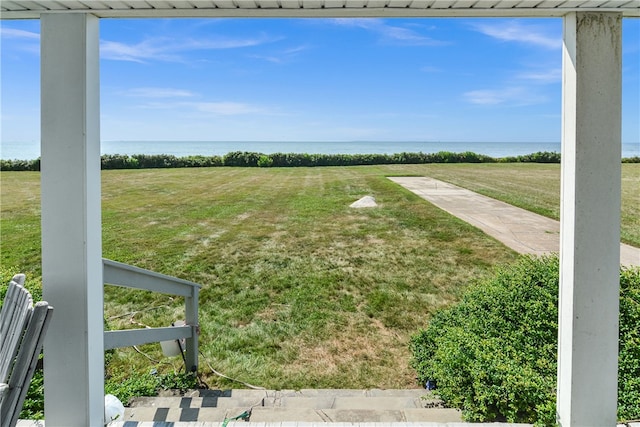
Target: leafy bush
(20, 165)
(494, 354)
(629, 350)
(251, 159)
(265, 161)
(241, 159)
(134, 385)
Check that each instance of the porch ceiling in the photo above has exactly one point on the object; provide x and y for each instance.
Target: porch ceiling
(17, 9)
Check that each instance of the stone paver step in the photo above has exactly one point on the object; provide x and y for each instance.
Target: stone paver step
(318, 406)
(265, 414)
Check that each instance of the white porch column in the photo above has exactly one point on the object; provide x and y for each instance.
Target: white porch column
(71, 220)
(590, 220)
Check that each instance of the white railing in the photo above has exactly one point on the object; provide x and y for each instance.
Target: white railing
(119, 274)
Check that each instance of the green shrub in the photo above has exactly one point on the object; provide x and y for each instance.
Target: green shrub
(265, 161)
(629, 350)
(251, 159)
(118, 161)
(20, 165)
(494, 354)
(241, 159)
(135, 384)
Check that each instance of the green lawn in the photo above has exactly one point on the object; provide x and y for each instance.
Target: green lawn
(299, 289)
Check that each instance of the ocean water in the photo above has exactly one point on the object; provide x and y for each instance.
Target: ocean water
(31, 150)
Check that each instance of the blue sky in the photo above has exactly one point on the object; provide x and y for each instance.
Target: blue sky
(318, 79)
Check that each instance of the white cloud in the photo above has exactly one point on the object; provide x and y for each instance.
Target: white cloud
(388, 33)
(16, 40)
(283, 56)
(208, 108)
(430, 69)
(553, 75)
(135, 53)
(514, 95)
(227, 108)
(170, 49)
(516, 31)
(159, 92)
(14, 33)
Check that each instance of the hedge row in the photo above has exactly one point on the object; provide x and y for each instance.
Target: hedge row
(494, 354)
(252, 159)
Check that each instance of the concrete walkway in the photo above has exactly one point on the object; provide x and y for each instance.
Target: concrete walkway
(521, 230)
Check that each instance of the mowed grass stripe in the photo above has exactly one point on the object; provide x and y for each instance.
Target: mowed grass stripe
(299, 289)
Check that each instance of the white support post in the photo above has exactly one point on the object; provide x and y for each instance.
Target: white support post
(71, 220)
(590, 220)
(191, 316)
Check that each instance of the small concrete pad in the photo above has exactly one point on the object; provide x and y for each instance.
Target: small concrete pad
(365, 202)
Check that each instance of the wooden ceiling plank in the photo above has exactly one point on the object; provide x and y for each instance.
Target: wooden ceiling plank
(377, 3)
(312, 4)
(268, 4)
(139, 4)
(337, 4)
(594, 3)
(224, 4)
(466, 4)
(246, 4)
(75, 5)
(290, 4)
(118, 5)
(550, 3)
(358, 4)
(442, 4)
(573, 3)
(399, 3)
(507, 4)
(33, 5)
(528, 3)
(12, 5)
